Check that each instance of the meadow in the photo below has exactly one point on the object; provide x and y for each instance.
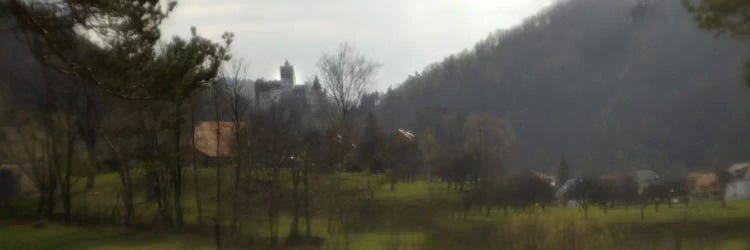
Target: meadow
(416, 215)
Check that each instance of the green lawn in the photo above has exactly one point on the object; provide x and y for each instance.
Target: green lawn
(416, 215)
(25, 236)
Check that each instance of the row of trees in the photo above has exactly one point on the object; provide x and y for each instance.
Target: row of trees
(113, 98)
(529, 189)
(103, 62)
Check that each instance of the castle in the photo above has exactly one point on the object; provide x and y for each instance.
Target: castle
(267, 93)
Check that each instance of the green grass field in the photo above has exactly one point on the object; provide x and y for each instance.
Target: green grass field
(417, 215)
(54, 236)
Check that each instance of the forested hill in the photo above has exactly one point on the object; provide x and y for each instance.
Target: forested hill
(611, 84)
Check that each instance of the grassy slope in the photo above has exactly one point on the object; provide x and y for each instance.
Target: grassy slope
(405, 230)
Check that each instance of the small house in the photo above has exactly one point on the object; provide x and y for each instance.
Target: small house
(703, 184)
(566, 189)
(739, 187)
(647, 178)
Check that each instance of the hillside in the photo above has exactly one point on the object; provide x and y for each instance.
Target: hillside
(611, 84)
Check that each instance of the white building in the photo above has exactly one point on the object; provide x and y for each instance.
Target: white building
(739, 187)
(646, 178)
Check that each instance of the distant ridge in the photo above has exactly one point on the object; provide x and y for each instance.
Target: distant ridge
(613, 84)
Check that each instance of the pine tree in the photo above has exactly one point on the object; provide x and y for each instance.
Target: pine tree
(723, 17)
(371, 146)
(563, 172)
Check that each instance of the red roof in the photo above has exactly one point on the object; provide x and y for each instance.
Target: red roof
(206, 139)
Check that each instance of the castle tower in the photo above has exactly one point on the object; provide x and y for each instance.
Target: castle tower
(287, 74)
(316, 84)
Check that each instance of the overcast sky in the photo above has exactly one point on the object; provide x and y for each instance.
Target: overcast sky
(403, 35)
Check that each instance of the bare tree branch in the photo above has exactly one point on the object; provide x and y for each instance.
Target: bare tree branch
(346, 76)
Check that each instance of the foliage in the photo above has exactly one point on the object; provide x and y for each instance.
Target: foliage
(490, 141)
(184, 66)
(723, 17)
(583, 78)
(105, 43)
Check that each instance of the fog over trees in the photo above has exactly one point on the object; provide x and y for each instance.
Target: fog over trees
(611, 84)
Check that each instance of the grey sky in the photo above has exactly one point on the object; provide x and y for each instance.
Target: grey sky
(403, 35)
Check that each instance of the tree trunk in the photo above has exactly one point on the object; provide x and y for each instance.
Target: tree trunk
(218, 218)
(294, 230)
(196, 182)
(90, 179)
(127, 197)
(51, 198)
(94, 165)
(306, 198)
(272, 230)
(127, 188)
(66, 180)
(41, 201)
(156, 186)
(236, 186)
(91, 150)
(177, 176)
(52, 173)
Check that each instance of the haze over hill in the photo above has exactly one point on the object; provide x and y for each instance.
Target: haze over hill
(403, 35)
(611, 84)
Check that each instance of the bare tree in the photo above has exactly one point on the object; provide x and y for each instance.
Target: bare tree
(218, 219)
(346, 75)
(239, 106)
(68, 122)
(196, 182)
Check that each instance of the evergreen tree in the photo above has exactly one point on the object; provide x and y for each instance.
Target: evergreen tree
(371, 146)
(563, 173)
(723, 17)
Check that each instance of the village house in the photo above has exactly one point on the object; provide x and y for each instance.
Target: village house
(703, 185)
(212, 148)
(647, 178)
(739, 187)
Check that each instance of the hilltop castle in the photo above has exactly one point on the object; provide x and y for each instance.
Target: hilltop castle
(270, 92)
